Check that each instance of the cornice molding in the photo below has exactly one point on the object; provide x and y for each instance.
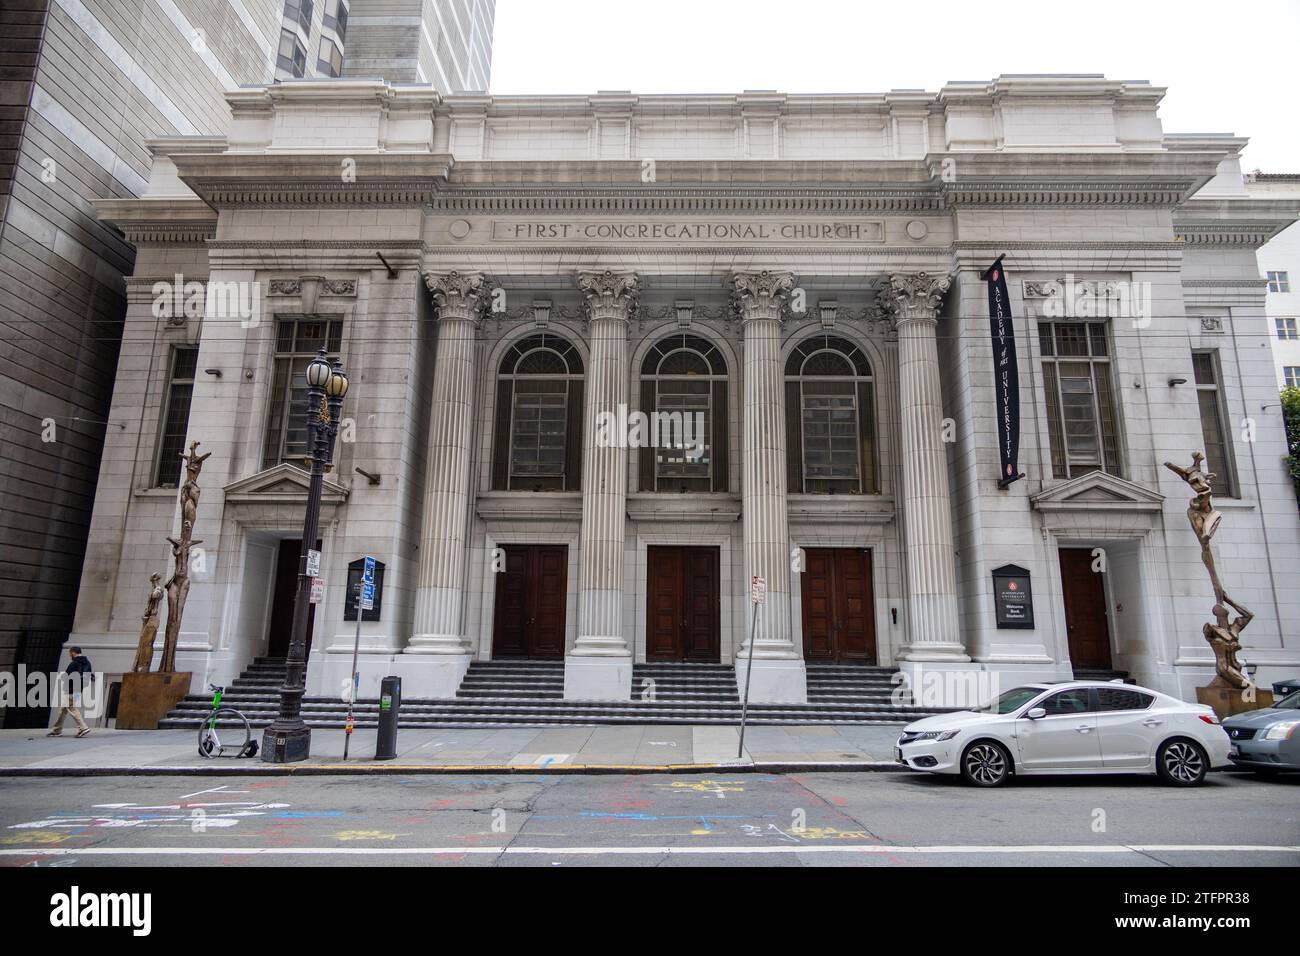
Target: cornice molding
(1082, 192)
(685, 200)
(238, 193)
(1250, 235)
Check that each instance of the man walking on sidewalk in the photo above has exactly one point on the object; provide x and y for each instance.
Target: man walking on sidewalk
(78, 668)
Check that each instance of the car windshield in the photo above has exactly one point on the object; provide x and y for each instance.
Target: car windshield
(1012, 700)
(1290, 702)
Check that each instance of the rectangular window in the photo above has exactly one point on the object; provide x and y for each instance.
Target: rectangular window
(1218, 452)
(830, 438)
(330, 61)
(176, 415)
(538, 436)
(291, 58)
(301, 11)
(1081, 421)
(1285, 328)
(296, 342)
(336, 17)
(1279, 282)
(677, 466)
(1291, 376)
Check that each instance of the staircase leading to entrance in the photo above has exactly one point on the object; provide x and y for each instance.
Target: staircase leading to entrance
(507, 693)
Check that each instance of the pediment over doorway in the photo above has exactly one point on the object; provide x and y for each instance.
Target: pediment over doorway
(1097, 491)
(281, 484)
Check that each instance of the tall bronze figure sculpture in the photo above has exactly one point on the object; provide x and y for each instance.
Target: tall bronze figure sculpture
(1224, 637)
(149, 627)
(178, 586)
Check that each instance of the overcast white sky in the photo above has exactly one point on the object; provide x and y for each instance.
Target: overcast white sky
(1229, 67)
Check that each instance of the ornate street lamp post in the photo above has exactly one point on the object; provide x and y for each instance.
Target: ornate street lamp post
(289, 738)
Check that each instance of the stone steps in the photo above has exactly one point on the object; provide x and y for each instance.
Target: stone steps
(530, 693)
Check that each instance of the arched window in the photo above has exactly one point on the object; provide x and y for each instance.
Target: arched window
(684, 396)
(830, 418)
(538, 443)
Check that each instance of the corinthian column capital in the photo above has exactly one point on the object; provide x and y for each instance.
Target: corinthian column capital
(916, 295)
(458, 295)
(760, 295)
(610, 295)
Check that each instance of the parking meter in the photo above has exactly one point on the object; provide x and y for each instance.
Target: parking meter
(390, 705)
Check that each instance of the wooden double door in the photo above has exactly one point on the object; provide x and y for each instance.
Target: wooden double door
(683, 607)
(839, 621)
(530, 601)
(1084, 593)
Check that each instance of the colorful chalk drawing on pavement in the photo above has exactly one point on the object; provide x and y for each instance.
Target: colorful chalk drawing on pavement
(187, 812)
(718, 788)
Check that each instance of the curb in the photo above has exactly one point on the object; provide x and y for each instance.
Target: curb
(391, 769)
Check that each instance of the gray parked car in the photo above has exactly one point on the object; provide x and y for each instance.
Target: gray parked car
(1267, 740)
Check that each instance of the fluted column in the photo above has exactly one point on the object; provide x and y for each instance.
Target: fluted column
(778, 674)
(440, 598)
(600, 665)
(933, 633)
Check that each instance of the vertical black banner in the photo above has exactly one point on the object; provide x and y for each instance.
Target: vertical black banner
(1006, 374)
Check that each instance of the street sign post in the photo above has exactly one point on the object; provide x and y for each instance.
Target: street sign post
(757, 596)
(365, 602)
(313, 563)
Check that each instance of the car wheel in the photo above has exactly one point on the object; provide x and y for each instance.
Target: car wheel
(985, 764)
(1181, 763)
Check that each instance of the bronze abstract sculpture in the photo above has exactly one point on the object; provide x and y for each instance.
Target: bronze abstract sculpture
(1224, 637)
(178, 586)
(149, 627)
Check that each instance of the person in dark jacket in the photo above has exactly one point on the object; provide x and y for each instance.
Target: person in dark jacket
(77, 669)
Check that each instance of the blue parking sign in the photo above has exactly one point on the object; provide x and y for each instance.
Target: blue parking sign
(368, 573)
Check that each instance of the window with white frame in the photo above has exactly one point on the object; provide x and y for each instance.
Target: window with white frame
(1081, 420)
(1279, 282)
(1285, 327)
(176, 416)
(1214, 428)
(830, 418)
(1291, 376)
(297, 339)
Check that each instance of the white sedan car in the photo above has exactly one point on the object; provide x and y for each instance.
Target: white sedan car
(1077, 727)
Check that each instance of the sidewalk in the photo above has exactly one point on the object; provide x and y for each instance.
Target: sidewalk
(631, 749)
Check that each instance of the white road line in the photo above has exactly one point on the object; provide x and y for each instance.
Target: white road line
(876, 849)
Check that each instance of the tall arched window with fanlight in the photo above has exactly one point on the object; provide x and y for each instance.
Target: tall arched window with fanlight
(684, 391)
(538, 435)
(830, 419)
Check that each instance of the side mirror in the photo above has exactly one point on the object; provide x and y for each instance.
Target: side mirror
(1034, 713)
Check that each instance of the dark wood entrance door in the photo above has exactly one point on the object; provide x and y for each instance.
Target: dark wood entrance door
(284, 593)
(683, 610)
(530, 599)
(1086, 628)
(839, 622)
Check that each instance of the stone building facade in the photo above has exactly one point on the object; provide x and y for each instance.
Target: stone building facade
(87, 85)
(509, 280)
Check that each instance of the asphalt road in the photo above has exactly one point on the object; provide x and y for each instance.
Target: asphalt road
(823, 819)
